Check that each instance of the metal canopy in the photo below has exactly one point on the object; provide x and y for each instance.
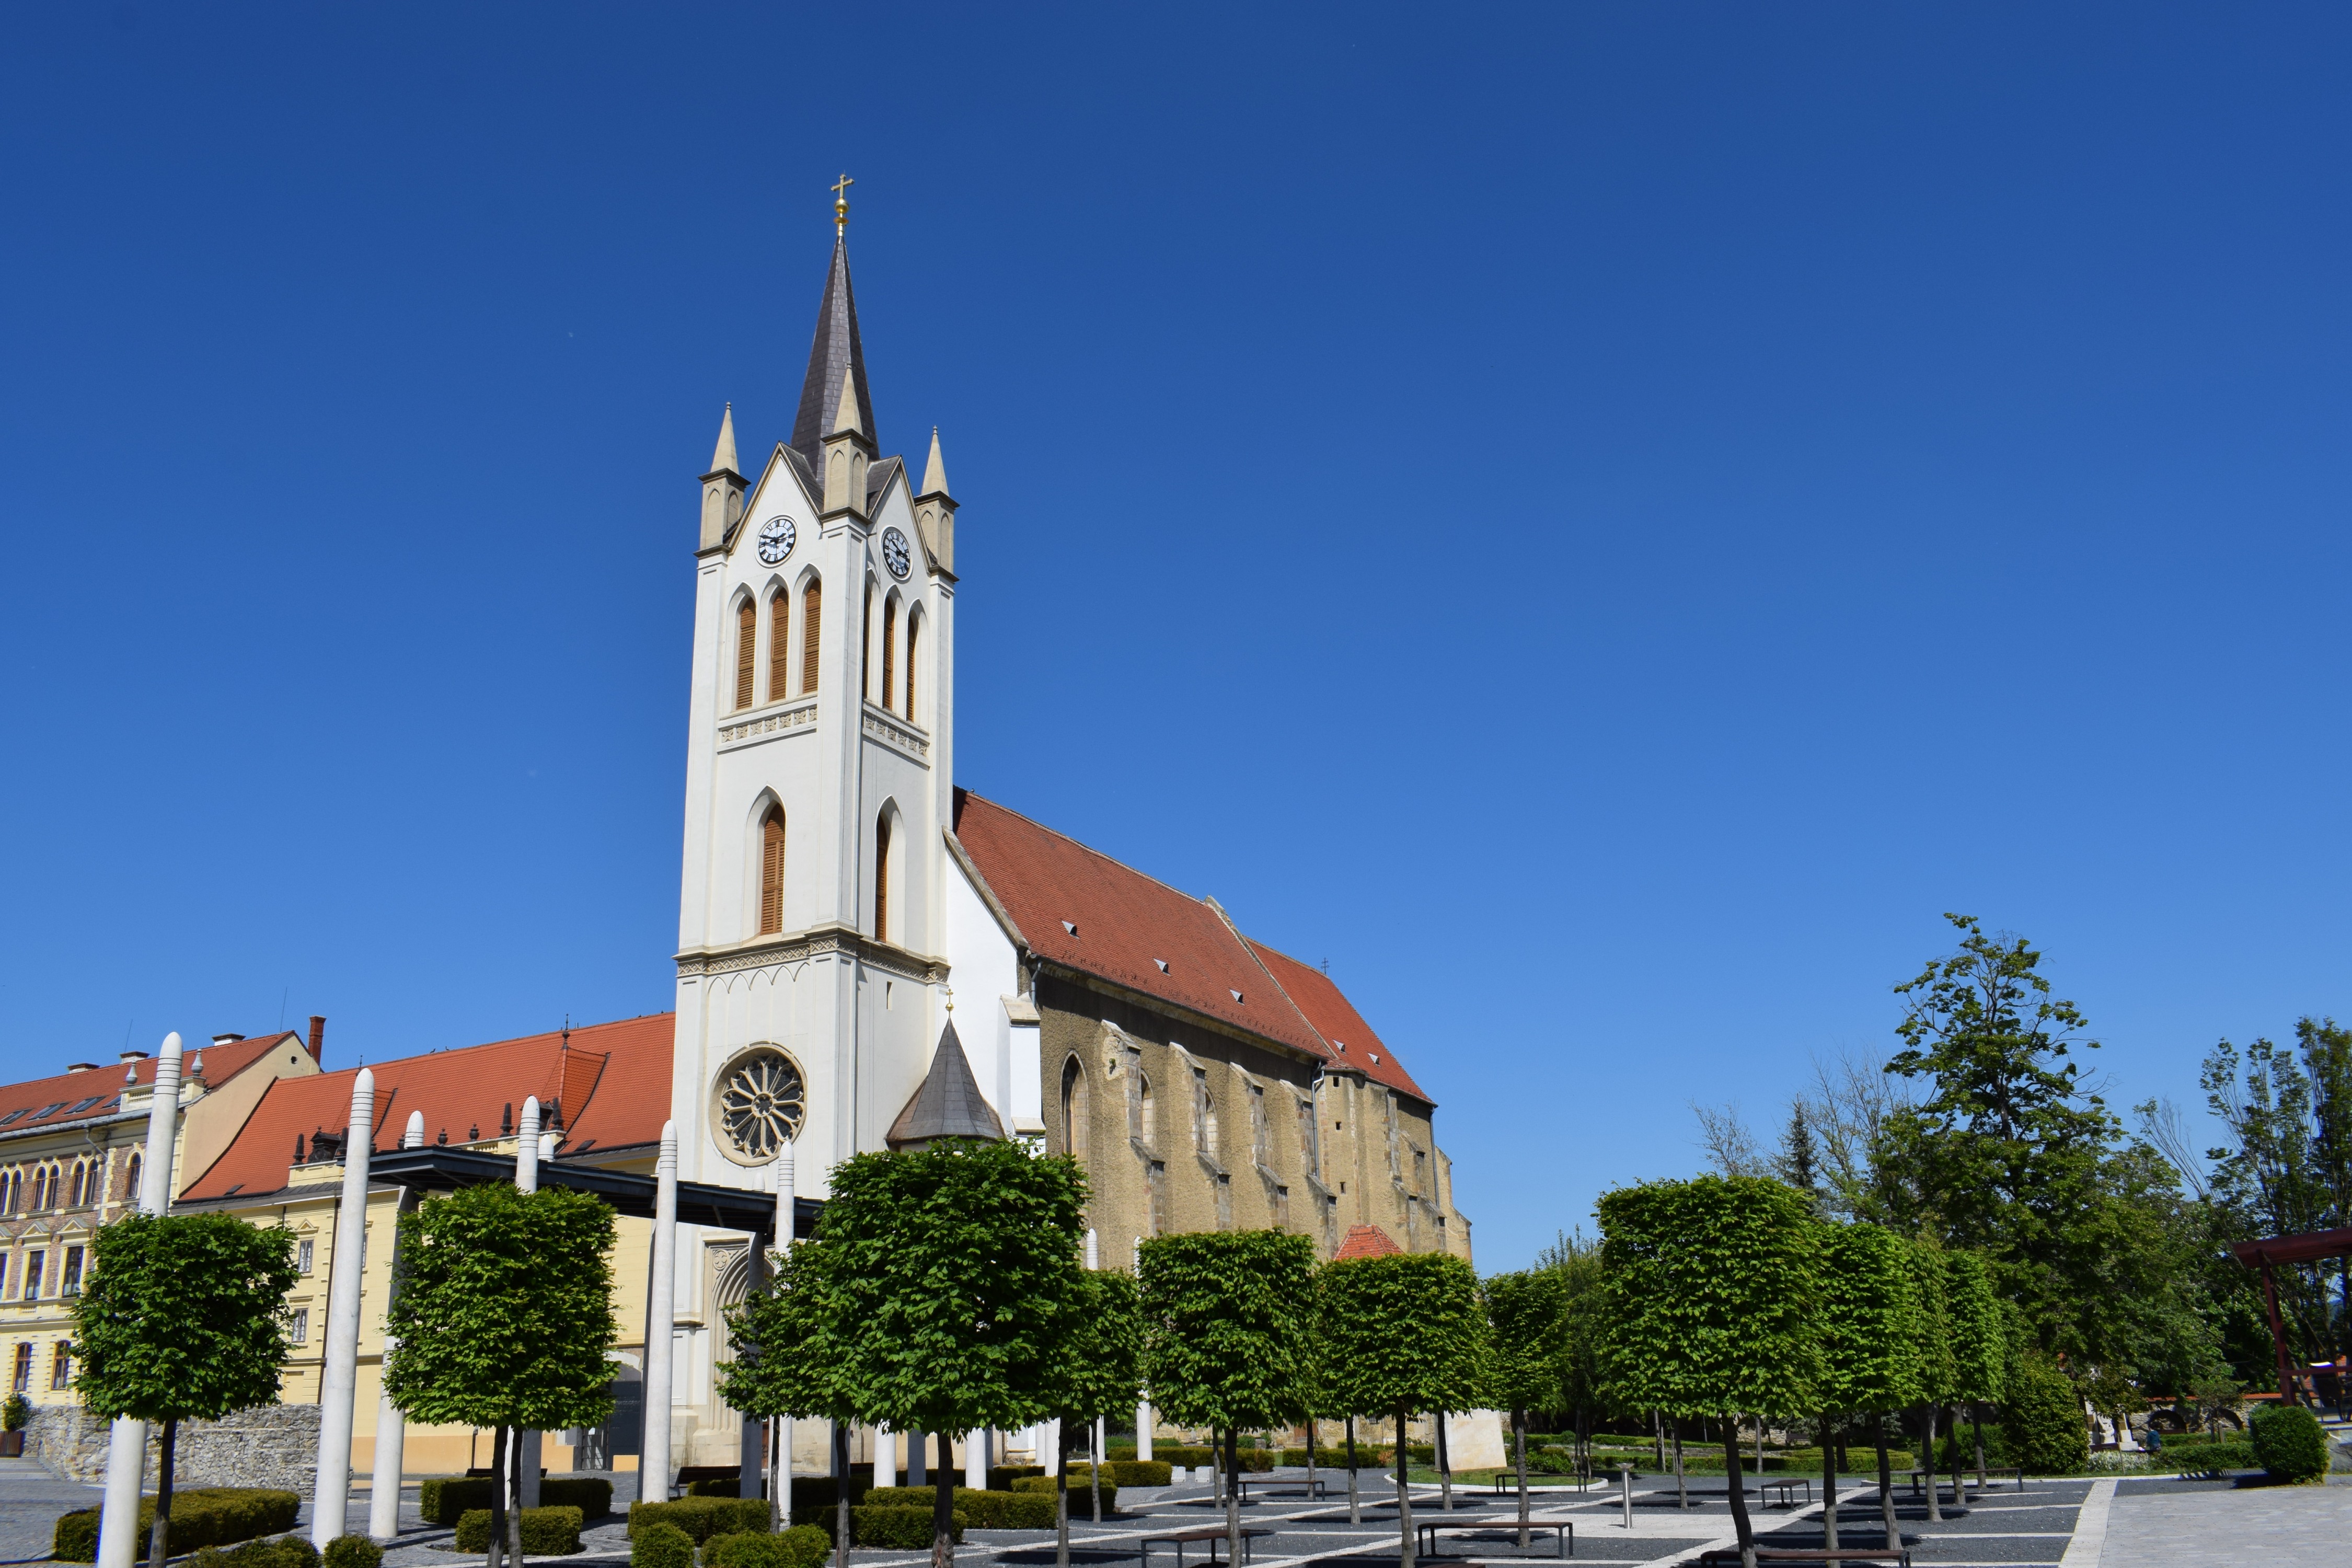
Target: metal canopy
(436, 1168)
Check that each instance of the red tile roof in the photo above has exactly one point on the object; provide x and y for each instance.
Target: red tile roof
(1335, 1019)
(1127, 925)
(614, 1082)
(60, 1100)
(1365, 1241)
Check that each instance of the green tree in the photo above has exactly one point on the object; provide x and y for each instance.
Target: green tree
(1102, 1374)
(956, 1283)
(504, 1315)
(1528, 1315)
(791, 1358)
(1939, 1368)
(1228, 1336)
(1712, 1290)
(1577, 1261)
(1979, 1342)
(1870, 1349)
(1798, 1164)
(183, 1319)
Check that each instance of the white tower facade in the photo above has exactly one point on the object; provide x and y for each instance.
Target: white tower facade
(812, 922)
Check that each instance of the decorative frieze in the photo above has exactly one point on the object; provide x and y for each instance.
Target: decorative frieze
(761, 727)
(887, 729)
(826, 942)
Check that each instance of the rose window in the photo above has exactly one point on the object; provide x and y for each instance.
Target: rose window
(759, 1104)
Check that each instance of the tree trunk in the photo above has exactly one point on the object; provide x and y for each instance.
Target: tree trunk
(1061, 1493)
(1682, 1490)
(1927, 1462)
(1740, 1521)
(514, 1498)
(498, 1550)
(160, 1538)
(1445, 1465)
(1233, 1494)
(1404, 1497)
(841, 1521)
(1658, 1436)
(1829, 1482)
(1887, 1489)
(1095, 1466)
(1310, 1459)
(1355, 1510)
(1977, 1411)
(943, 1506)
(1519, 1430)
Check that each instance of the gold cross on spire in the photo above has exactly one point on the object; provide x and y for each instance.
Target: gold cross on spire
(841, 204)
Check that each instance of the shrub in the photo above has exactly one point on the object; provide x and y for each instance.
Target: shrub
(981, 1509)
(2289, 1443)
(284, 1551)
(1138, 1472)
(801, 1546)
(2043, 1419)
(444, 1500)
(352, 1551)
(2201, 1458)
(546, 1531)
(659, 1544)
(15, 1411)
(700, 1518)
(1078, 1504)
(1002, 1477)
(892, 1525)
(201, 1516)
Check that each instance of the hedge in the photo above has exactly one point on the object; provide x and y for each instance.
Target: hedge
(201, 1516)
(2200, 1459)
(703, 1516)
(893, 1525)
(1187, 1455)
(1121, 1473)
(981, 1509)
(1002, 1477)
(660, 1544)
(547, 1531)
(279, 1551)
(2290, 1443)
(2043, 1420)
(352, 1551)
(1078, 1504)
(801, 1546)
(444, 1500)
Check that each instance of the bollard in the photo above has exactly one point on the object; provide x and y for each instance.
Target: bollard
(1625, 1484)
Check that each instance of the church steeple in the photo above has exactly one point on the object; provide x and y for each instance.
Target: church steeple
(935, 509)
(722, 487)
(837, 363)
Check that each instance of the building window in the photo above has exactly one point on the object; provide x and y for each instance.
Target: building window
(812, 606)
(1151, 1116)
(771, 872)
(1309, 1138)
(1282, 1208)
(914, 630)
(71, 1283)
(80, 1174)
(130, 1181)
(747, 647)
(23, 1381)
(889, 637)
(300, 1330)
(1204, 1113)
(882, 878)
(302, 1257)
(1077, 1109)
(1419, 1174)
(780, 646)
(1261, 1135)
(33, 1275)
(12, 1192)
(61, 1365)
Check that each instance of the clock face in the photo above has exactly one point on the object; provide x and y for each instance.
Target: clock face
(894, 554)
(776, 538)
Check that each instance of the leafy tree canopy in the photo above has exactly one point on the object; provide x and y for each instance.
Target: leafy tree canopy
(1406, 1331)
(1869, 1320)
(1102, 1366)
(1227, 1341)
(789, 1357)
(183, 1317)
(1979, 1344)
(1531, 1339)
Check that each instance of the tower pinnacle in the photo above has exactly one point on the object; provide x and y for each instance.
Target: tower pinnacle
(841, 206)
(935, 472)
(722, 459)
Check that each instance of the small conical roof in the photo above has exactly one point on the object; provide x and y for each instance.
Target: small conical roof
(837, 359)
(948, 1104)
(844, 413)
(935, 472)
(723, 456)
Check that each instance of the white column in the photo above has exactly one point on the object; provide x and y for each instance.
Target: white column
(126, 1448)
(1144, 1429)
(975, 1461)
(779, 1483)
(1049, 1440)
(886, 1456)
(391, 1427)
(661, 1321)
(527, 1154)
(340, 1385)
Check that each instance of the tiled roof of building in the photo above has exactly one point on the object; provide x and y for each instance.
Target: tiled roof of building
(1352, 1042)
(45, 1102)
(1365, 1241)
(1081, 909)
(612, 1083)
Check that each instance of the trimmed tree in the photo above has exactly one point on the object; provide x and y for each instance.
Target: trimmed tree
(1401, 1334)
(1870, 1351)
(1102, 1374)
(1528, 1316)
(1227, 1341)
(1939, 1368)
(1712, 1288)
(183, 1319)
(955, 1282)
(1979, 1342)
(504, 1315)
(790, 1359)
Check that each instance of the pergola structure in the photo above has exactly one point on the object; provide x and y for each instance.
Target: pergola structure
(2276, 1250)
(439, 1169)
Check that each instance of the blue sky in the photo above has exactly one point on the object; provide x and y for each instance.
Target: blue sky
(1601, 521)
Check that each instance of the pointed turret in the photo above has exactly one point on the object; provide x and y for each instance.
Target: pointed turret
(722, 487)
(947, 1105)
(935, 509)
(837, 363)
(848, 451)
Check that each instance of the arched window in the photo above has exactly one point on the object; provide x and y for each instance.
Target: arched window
(1075, 1110)
(747, 645)
(866, 649)
(882, 878)
(913, 629)
(131, 1183)
(890, 636)
(780, 644)
(81, 1175)
(12, 1192)
(1150, 1114)
(771, 872)
(810, 603)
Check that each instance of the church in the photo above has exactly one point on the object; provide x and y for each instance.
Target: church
(867, 955)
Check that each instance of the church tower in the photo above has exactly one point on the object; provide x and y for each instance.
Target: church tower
(811, 926)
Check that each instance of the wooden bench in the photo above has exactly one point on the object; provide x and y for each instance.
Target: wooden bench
(1728, 1556)
(1314, 1491)
(1180, 1539)
(1786, 1487)
(1508, 1485)
(1563, 1531)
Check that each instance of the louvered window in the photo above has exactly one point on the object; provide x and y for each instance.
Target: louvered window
(771, 872)
(866, 647)
(747, 643)
(914, 625)
(882, 878)
(812, 598)
(780, 679)
(889, 634)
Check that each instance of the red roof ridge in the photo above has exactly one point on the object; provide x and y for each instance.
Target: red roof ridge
(1099, 855)
(1365, 1241)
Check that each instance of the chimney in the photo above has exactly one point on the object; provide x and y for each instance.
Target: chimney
(226, 1039)
(131, 1057)
(318, 1039)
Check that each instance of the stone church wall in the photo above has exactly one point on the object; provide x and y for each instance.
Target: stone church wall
(267, 1446)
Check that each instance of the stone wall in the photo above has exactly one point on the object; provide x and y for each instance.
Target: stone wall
(267, 1446)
